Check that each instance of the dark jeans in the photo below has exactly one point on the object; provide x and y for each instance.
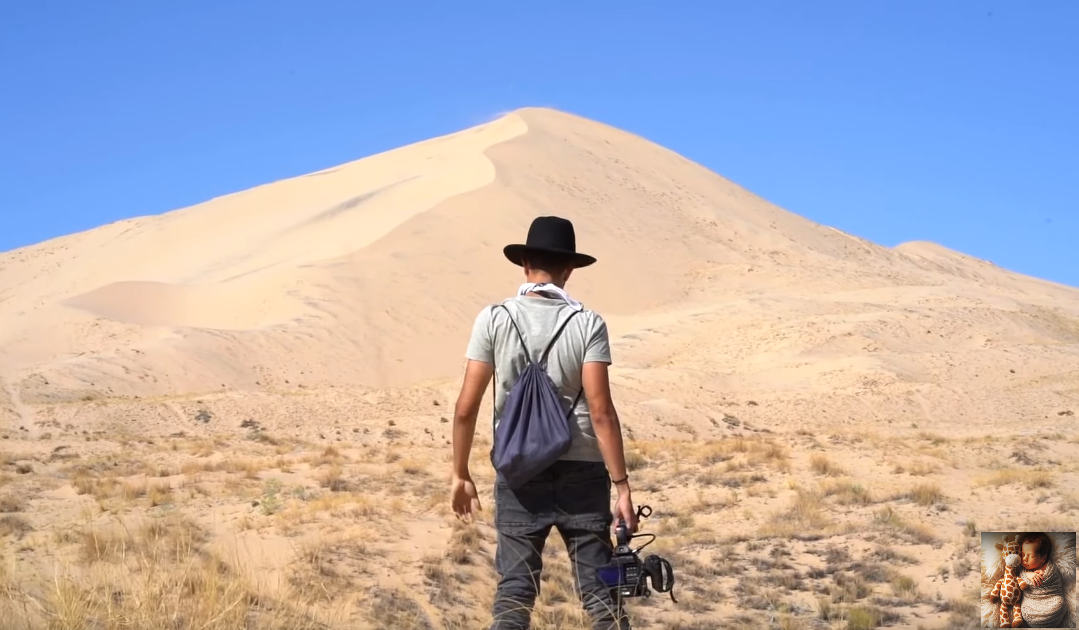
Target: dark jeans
(575, 498)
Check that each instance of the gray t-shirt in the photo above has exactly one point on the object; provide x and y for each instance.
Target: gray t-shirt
(584, 339)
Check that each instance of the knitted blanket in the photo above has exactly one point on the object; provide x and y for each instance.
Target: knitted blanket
(1043, 605)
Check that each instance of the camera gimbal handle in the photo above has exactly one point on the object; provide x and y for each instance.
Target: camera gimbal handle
(622, 533)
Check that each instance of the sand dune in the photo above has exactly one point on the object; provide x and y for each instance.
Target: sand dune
(368, 250)
(324, 306)
(350, 274)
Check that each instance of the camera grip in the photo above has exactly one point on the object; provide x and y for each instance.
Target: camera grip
(621, 534)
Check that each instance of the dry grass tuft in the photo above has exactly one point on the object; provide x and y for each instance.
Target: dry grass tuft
(326, 571)
(14, 525)
(635, 460)
(822, 465)
(10, 503)
(332, 478)
(925, 494)
(917, 468)
(905, 588)
(804, 517)
(847, 492)
(396, 608)
(465, 544)
(753, 452)
(962, 611)
(913, 532)
(932, 438)
(1032, 479)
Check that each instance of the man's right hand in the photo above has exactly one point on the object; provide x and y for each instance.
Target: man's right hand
(623, 509)
(463, 498)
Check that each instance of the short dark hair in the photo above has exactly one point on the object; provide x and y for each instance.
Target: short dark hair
(548, 261)
(1044, 544)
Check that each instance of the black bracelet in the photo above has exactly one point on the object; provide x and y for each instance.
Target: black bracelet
(622, 480)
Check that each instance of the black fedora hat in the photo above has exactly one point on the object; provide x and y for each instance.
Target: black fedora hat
(550, 235)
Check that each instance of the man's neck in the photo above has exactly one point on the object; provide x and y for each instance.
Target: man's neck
(543, 278)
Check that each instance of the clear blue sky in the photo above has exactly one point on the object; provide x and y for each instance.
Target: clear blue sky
(944, 120)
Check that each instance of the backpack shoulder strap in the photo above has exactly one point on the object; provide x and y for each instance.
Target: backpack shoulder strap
(554, 338)
(543, 361)
(519, 335)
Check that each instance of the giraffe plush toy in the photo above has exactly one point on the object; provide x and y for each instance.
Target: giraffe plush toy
(1007, 588)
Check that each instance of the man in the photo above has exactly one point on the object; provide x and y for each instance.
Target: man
(574, 494)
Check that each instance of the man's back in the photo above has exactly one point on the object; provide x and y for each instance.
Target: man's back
(583, 339)
(574, 494)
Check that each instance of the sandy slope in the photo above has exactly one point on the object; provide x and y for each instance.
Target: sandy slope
(335, 301)
(361, 275)
(349, 272)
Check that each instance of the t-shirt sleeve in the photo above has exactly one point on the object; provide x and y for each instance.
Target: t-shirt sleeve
(480, 347)
(597, 347)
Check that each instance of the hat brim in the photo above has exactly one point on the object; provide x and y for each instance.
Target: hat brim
(516, 253)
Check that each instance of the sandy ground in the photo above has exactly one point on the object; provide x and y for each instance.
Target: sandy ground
(240, 411)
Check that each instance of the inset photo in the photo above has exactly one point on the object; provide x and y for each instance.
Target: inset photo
(1028, 580)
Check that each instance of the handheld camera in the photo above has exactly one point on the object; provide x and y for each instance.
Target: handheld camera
(629, 576)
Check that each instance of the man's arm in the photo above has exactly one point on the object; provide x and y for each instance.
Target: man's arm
(597, 391)
(477, 375)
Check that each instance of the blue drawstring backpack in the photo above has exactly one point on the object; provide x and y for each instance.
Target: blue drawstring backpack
(534, 431)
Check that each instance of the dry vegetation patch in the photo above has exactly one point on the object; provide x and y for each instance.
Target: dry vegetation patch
(804, 517)
(761, 530)
(823, 465)
(1031, 479)
(847, 492)
(148, 573)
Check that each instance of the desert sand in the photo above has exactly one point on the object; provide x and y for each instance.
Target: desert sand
(241, 411)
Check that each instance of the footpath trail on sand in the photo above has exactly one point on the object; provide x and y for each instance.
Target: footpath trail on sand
(20, 412)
